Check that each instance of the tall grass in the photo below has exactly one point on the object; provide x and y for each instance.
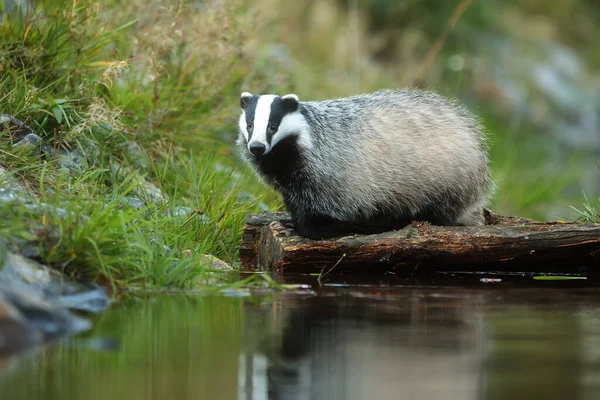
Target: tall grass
(590, 211)
(141, 93)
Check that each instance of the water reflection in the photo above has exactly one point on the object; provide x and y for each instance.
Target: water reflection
(352, 348)
(345, 343)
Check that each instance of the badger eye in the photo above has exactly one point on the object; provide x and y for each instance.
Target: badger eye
(272, 128)
(249, 126)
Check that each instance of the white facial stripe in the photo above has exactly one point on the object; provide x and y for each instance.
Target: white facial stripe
(293, 124)
(261, 120)
(242, 124)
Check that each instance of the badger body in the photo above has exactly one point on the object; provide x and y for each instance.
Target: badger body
(368, 163)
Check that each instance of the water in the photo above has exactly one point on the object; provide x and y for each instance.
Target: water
(339, 342)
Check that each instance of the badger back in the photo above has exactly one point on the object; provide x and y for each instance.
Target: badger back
(401, 148)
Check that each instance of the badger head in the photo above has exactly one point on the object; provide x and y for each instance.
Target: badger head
(268, 119)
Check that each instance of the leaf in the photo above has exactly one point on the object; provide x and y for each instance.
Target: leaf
(58, 114)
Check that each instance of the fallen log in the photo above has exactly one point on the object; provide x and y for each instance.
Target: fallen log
(503, 244)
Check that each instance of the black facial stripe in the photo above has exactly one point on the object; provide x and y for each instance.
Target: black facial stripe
(249, 113)
(278, 111)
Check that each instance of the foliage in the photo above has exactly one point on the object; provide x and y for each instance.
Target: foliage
(156, 116)
(590, 212)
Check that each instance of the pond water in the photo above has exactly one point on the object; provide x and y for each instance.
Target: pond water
(493, 341)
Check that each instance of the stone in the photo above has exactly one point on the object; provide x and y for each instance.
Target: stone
(136, 155)
(133, 202)
(35, 301)
(17, 129)
(214, 263)
(9, 185)
(21, 269)
(180, 211)
(71, 162)
(31, 140)
(145, 190)
(248, 197)
(41, 314)
(15, 334)
(91, 301)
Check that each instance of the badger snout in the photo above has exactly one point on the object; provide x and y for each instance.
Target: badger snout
(257, 148)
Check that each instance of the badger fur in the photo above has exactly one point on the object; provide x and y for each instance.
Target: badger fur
(368, 163)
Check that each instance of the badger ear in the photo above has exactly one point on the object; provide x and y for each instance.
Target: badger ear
(291, 102)
(245, 99)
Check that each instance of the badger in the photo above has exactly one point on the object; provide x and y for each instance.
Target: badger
(368, 163)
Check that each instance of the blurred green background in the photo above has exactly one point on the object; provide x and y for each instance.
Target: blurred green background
(529, 68)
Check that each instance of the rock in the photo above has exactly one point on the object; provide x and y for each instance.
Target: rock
(133, 202)
(91, 301)
(71, 162)
(136, 155)
(30, 249)
(29, 318)
(157, 242)
(31, 140)
(15, 128)
(213, 263)
(19, 271)
(34, 303)
(15, 335)
(180, 211)
(145, 190)
(150, 191)
(8, 185)
(250, 198)
(16, 8)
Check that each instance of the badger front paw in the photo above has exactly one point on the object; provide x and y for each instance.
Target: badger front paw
(310, 227)
(308, 231)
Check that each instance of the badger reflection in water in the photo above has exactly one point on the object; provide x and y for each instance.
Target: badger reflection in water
(355, 348)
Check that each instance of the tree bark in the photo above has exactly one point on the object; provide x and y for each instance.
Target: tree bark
(502, 245)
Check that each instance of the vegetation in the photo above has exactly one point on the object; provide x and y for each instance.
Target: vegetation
(590, 212)
(144, 96)
(158, 117)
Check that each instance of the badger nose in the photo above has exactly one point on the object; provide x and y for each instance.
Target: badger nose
(258, 149)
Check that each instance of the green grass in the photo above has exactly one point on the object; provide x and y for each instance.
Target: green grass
(590, 211)
(147, 94)
(157, 117)
(86, 228)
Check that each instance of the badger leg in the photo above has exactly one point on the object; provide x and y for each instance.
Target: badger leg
(471, 216)
(317, 227)
(313, 227)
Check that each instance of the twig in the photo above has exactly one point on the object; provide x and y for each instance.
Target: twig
(322, 275)
(439, 43)
(414, 270)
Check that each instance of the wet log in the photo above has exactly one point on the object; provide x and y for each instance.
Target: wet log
(502, 245)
